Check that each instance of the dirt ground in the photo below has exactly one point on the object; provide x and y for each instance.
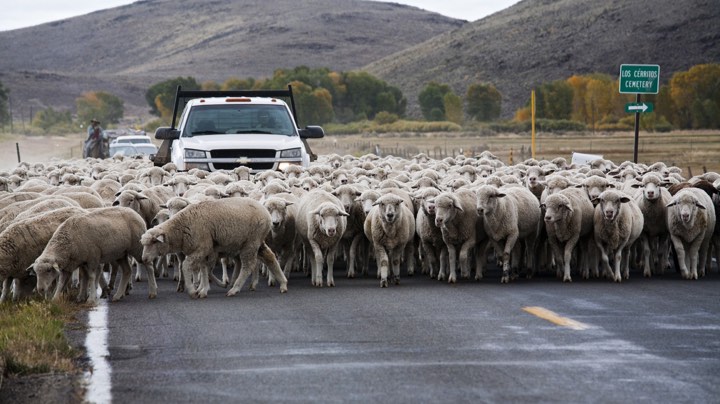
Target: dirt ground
(35, 149)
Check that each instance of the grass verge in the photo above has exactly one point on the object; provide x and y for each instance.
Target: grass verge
(32, 338)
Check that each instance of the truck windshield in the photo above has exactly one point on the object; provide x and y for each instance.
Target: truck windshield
(234, 118)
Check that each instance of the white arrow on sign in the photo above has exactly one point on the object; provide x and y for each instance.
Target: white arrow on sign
(642, 107)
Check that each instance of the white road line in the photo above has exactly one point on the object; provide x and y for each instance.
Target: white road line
(555, 318)
(98, 379)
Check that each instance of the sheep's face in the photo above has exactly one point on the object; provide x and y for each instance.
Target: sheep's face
(180, 185)
(651, 190)
(557, 208)
(278, 212)
(427, 201)
(594, 186)
(155, 244)
(308, 184)
(487, 200)
(610, 204)
(347, 196)
(129, 199)
(534, 177)
(46, 271)
(389, 207)
(686, 206)
(446, 208)
(367, 199)
(175, 205)
(339, 178)
(331, 220)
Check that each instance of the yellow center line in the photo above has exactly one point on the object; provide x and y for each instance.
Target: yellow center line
(555, 318)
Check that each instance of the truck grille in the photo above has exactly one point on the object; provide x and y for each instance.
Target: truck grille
(237, 154)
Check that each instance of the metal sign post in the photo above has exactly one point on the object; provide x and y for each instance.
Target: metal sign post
(638, 79)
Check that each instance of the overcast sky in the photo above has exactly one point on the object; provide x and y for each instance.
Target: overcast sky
(25, 13)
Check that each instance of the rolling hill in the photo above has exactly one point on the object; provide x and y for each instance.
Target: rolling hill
(538, 41)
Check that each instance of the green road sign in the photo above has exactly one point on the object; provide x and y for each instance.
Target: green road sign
(639, 79)
(638, 107)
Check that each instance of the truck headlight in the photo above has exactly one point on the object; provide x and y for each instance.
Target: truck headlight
(195, 154)
(291, 153)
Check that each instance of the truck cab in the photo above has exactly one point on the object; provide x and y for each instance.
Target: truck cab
(222, 130)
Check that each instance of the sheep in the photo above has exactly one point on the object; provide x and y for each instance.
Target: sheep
(617, 223)
(691, 223)
(389, 226)
(456, 216)
(176, 204)
(509, 215)
(235, 227)
(180, 184)
(24, 240)
(84, 199)
(153, 176)
(595, 185)
(105, 235)
(320, 223)
(146, 207)
(354, 232)
(431, 242)
(568, 219)
(653, 201)
(282, 237)
(107, 189)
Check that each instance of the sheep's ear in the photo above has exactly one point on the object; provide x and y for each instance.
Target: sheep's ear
(542, 206)
(457, 206)
(624, 199)
(700, 205)
(163, 206)
(30, 270)
(595, 201)
(288, 203)
(671, 204)
(500, 195)
(56, 267)
(569, 208)
(160, 238)
(343, 213)
(375, 203)
(140, 197)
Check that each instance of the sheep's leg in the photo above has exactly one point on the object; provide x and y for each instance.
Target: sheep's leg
(697, 262)
(567, 257)
(113, 276)
(255, 272)
(93, 275)
(152, 282)
(317, 264)
(430, 263)
(383, 261)
(62, 282)
(704, 258)
(248, 263)
(680, 252)
(225, 278)
(509, 245)
(626, 252)
(330, 265)
(452, 264)
(187, 265)
(83, 290)
(410, 255)
(5, 289)
(268, 258)
(395, 259)
(138, 276)
(480, 259)
(557, 253)
(617, 263)
(662, 255)
(465, 257)
(125, 275)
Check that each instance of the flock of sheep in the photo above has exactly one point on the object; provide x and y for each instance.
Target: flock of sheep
(68, 222)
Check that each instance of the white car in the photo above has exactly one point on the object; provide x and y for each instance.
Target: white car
(133, 146)
(221, 130)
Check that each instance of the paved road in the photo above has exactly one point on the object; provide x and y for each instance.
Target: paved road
(655, 340)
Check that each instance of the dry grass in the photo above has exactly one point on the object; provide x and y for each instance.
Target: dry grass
(32, 338)
(691, 150)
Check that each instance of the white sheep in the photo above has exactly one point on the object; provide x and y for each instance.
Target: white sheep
(432, 246)
(510, 215)
(282, 238)
(653, 201)
(233, 227)
(320, 223)
(107, 235)
(24, 240)
(617, 223)
(389, 226)
(568, 221)
(691, 223)
(456, 216)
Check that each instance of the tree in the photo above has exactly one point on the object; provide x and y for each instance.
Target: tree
(700, 83)
(235, 83)
(99, 105)
(554, 100)
(48, 118)
(161, 96)
(453, 108)
(4, 105)
(483, 102)
(431, 100)
(314, 106)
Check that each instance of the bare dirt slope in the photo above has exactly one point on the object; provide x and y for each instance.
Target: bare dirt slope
(38, 149)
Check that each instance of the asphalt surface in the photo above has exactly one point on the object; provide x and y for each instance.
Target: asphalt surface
(645, 340)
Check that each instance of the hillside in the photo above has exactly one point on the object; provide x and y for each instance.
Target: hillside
(537, 41)
(124, 49)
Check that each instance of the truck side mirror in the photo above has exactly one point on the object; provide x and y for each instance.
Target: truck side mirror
(312, 132)
(167, 133)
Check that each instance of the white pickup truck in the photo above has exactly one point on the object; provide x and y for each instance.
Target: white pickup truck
(221, 130)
